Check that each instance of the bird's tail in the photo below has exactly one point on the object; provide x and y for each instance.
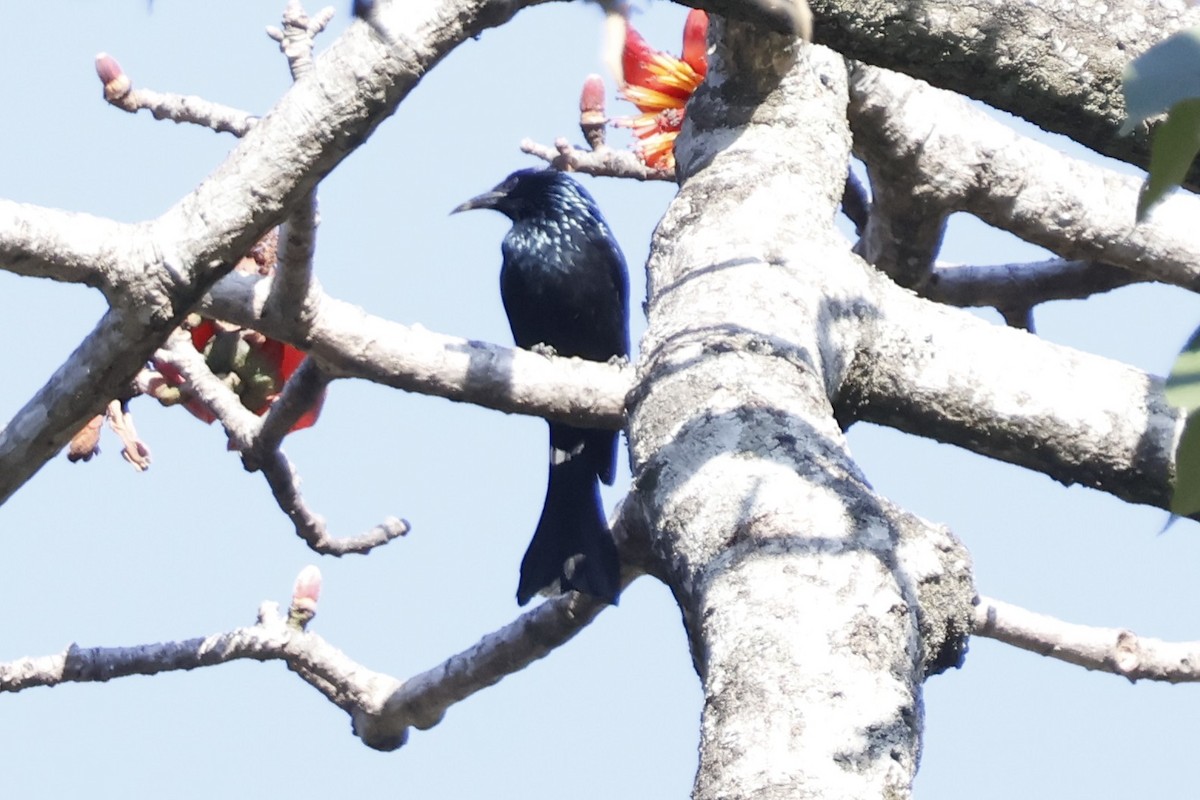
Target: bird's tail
(572, 547)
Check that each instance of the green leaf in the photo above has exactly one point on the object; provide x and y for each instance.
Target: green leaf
(1183, 384)
(1175, 145)
(1161, 77)
(1183, 391)
(1185, 498)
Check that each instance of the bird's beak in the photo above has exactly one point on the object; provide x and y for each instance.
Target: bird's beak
(485, 200)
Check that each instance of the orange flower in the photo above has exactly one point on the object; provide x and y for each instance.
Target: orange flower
(660, 84)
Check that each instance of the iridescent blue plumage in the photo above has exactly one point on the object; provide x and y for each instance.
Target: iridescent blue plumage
(564, 284)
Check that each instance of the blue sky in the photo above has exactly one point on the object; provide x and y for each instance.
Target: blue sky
(99, 555)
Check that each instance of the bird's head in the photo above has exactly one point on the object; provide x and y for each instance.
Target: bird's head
(530, 192)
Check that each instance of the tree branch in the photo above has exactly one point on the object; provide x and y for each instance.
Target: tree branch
(258, 440)
(344, 682)
(423, 700)
(1054, 62)
(289, 296)
(1116, 650)
(310, 527)
(1010, 285)
(241, 425)
(61, 245)
(119, 92)
(1079, 418)
(298, 34)
(766, 530)
(961, 160)
(352, 343)
(608, 162)
(381, 707)
(303, 391)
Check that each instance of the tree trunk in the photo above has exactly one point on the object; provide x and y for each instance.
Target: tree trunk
(814, 608)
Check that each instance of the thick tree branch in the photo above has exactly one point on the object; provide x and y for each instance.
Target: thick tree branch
(956, 158)
(1116, 650)
(61, 245)
(289, 297)
(1079, 418)
(1012, 285)
(1057, 63)
(352, 343)
(101, 367)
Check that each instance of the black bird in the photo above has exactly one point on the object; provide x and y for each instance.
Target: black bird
(564, 284)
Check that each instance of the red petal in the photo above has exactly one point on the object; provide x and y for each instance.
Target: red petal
(202, 333)
(645, 67)
(272, 351)
(309, 418)
(635, 56)
(290, 360)
(695, 41)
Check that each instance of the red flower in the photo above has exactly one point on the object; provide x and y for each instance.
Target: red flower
(261, 367)
(254, 366)
(660, 84)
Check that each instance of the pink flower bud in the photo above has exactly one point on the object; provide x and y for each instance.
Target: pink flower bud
(116, 83)
(304, 597)
(308, 585)
(592, 118)
(592, 97)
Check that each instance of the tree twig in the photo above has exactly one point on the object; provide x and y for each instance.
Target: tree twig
(607, 162)
(241, 425)
(120, 92)
(262, 454)
(1116, 650)
(298, 34)
(310, 527)
(301, 394)
(382, 707)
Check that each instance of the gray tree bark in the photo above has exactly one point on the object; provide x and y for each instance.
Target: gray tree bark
(763, 526)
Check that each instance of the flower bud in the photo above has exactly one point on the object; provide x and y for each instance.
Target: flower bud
(116, 83)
